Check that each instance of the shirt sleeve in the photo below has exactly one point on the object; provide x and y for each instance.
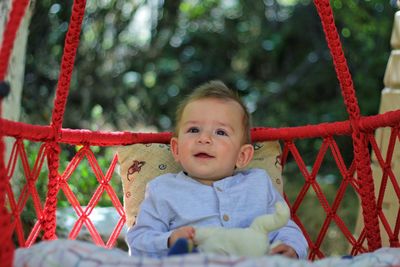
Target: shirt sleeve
(149, 236)
(290, 234)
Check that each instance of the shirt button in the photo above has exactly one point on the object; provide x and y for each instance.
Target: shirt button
(219, 189)
(225, 217)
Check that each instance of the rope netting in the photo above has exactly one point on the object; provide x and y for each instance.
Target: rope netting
(356, 176)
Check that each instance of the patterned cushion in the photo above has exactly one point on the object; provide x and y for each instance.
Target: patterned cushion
(139, 163)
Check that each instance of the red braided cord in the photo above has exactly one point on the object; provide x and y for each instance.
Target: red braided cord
(7, 246)
(388, 174)
(347, 174)
(16, 14)
(67, 64)
(396, 233)
(358, 248)
(10, 31)
(29, 189)
(50, 206)
(361, 153)
(80, 211)
(341, 192)
(78, 137)
(114, 198)
(56, 134)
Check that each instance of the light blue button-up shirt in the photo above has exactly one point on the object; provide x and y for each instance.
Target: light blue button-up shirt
(175, 200)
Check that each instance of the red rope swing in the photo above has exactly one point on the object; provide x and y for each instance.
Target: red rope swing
(16, 14)
(360, 128)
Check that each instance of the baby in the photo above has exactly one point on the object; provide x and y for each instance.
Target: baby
(211, 141)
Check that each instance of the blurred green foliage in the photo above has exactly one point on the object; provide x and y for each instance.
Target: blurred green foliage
(138, 58)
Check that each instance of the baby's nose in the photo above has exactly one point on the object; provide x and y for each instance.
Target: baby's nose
(205, 138)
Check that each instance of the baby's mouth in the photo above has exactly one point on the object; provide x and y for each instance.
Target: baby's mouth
(203, 155)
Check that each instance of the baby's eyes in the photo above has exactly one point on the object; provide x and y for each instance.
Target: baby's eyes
(221, 132)
(193, 130)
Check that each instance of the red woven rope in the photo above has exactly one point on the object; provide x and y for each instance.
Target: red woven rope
(16, 14)
(29, 189)
(67, 65)
(360, 128)
(361, 153)
(49, 222)
(7, 247)
(387, 177)
(79, 137)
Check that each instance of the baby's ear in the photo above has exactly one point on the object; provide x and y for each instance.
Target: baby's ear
(174, 148)
(245, 155)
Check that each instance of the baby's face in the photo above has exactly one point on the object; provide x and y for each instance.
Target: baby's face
(210, 139)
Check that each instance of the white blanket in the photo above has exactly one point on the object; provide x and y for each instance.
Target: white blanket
(68, 253)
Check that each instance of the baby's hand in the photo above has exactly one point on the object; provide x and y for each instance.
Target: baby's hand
(284, 250)
(182, 232)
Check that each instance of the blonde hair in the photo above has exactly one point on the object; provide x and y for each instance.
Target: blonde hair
(218, 90)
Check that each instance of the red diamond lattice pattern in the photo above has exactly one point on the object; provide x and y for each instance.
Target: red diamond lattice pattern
(16, 203)
(290, 152)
